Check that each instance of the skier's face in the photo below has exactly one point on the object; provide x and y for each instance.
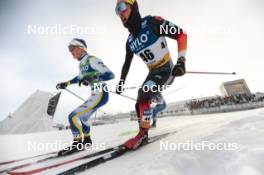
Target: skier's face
(76, 52)
(124, 11)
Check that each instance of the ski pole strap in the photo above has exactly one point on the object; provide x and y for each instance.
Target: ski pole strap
(215, 73)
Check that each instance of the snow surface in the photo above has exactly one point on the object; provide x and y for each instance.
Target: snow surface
(243, 129)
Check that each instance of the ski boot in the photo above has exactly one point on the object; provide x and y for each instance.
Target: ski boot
(71, 149)
(140, 139)
(87, 142)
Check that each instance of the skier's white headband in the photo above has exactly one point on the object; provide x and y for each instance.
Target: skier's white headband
(77, 43)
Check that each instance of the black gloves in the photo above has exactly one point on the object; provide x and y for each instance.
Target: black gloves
(88, 80)
(62, 85)
(84, 82)
(120, 86)
(179, 69)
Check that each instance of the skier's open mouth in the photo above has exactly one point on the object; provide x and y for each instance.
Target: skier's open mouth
(124, 20)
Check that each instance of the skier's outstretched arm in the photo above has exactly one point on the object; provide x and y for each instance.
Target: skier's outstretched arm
(162, 27)
(75, 80)
(64, 85)
(125, 69)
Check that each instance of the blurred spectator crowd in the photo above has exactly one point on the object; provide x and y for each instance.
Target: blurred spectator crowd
(218, 101)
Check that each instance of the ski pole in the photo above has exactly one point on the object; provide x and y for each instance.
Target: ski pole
(135, 87)
(123, 96)
(82, 99)
(215, 73)
(174, 91)
(74, 94)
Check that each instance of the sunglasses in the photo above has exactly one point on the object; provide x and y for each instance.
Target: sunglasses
(71, 48)
(121, 7)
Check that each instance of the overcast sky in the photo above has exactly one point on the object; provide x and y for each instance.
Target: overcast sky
(223, 35)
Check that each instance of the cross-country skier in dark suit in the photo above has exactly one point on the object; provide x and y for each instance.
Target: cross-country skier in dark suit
(147, 40)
